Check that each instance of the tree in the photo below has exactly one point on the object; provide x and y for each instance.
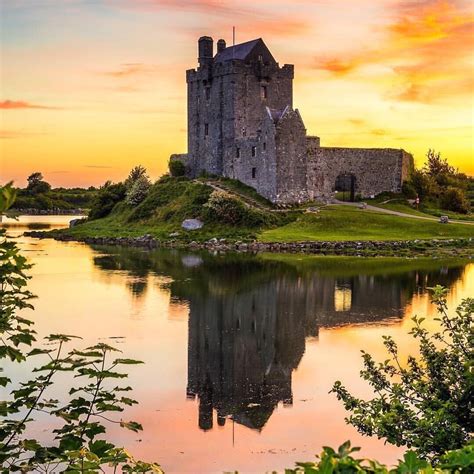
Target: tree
(426, 402)
(75, 445)
(107, 197)
(436, 166)
(176, 168)
(36, 184)
(424, 184)
(137, 172)
(454, 199)
(138, 191)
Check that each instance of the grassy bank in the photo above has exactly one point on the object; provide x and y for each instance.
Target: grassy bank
(171, 200)
(340, 223)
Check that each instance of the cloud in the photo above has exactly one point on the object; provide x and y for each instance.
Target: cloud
(131, 69)
(335, 65)
(99, 166)
(425, 51)
(357, 121)
(9, 134)
(379, 132)
(20, 104)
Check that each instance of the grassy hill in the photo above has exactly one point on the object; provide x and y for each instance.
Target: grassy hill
(237, 214)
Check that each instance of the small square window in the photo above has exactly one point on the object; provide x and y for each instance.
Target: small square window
(264, 146)
(208, 93)
(254, 173)
(263, 92)
(237, 152)
(206, 129)
(254, 151)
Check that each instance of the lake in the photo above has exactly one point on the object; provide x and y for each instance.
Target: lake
(240, 350)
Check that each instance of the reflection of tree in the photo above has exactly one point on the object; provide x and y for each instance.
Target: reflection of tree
(249, 317)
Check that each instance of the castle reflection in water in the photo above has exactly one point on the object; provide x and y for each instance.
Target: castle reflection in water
(249, 318)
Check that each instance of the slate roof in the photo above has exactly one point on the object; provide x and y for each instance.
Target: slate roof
(239, 51)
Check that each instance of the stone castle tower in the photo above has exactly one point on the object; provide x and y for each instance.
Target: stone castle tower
(242, 125)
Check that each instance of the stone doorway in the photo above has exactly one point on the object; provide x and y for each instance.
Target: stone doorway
(345, 187)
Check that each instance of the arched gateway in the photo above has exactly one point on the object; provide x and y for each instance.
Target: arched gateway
(346, 184)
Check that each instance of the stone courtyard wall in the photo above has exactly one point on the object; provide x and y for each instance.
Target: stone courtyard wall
(376, 170)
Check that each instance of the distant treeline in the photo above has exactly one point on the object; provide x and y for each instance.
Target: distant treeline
(39, 197)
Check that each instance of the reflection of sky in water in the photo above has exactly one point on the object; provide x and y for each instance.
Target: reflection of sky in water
(240, 352)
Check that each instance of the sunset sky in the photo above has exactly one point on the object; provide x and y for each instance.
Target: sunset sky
(92, 87)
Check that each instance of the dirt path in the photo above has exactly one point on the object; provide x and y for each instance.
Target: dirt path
(248, 201)
(397, 213)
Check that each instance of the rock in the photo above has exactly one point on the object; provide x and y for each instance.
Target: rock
(74, 222)
(174, 234)
(213, 241)
(444, 220)
(192, 224)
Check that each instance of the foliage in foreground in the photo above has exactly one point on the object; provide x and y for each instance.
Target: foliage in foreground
(342, 461)
(79, 420)
(427, 402)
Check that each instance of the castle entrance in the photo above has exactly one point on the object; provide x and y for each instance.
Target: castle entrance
(345, 187)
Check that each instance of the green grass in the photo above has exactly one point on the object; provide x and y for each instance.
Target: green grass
(171, 200)
(401, 206)
(341, 223)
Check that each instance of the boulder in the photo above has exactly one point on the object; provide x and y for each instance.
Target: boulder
(74, 222)
(192, 224)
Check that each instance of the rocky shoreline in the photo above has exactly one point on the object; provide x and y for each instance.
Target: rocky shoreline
(372, 247)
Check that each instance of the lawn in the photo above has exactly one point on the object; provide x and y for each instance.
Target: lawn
(342, 223)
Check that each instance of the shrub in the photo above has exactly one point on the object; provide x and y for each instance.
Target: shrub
(342, 461)
(78, 441)
(176, 168)
(424, 184)
(138, 191)
(409, 190)
(106, 199)
(454, 199)
(223, 208)
(136, 173)
(425, 402)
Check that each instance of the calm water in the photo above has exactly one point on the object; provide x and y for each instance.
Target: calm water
(240, 351)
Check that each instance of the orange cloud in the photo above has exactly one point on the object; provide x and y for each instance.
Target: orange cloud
(131, 69)
(337, 66)
(427, 45)
(20, 104)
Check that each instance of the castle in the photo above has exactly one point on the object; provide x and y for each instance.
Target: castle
(242, 125)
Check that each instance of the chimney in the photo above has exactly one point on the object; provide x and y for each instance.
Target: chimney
(205, 49)
(221, 46)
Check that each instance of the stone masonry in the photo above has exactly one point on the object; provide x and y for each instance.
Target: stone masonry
(242, 125)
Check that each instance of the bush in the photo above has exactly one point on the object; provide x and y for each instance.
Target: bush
(342, 461)
(106, 199)
(409, 190)
(223, 208)
(424, 402)
(454, 199)
(424, 185)
(176, 168)
(138, 191)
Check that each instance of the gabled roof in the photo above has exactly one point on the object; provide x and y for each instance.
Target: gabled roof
(239, 51)
(276, 114)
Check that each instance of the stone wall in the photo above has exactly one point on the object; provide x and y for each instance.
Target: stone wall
(291, 155)
(376, 170)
